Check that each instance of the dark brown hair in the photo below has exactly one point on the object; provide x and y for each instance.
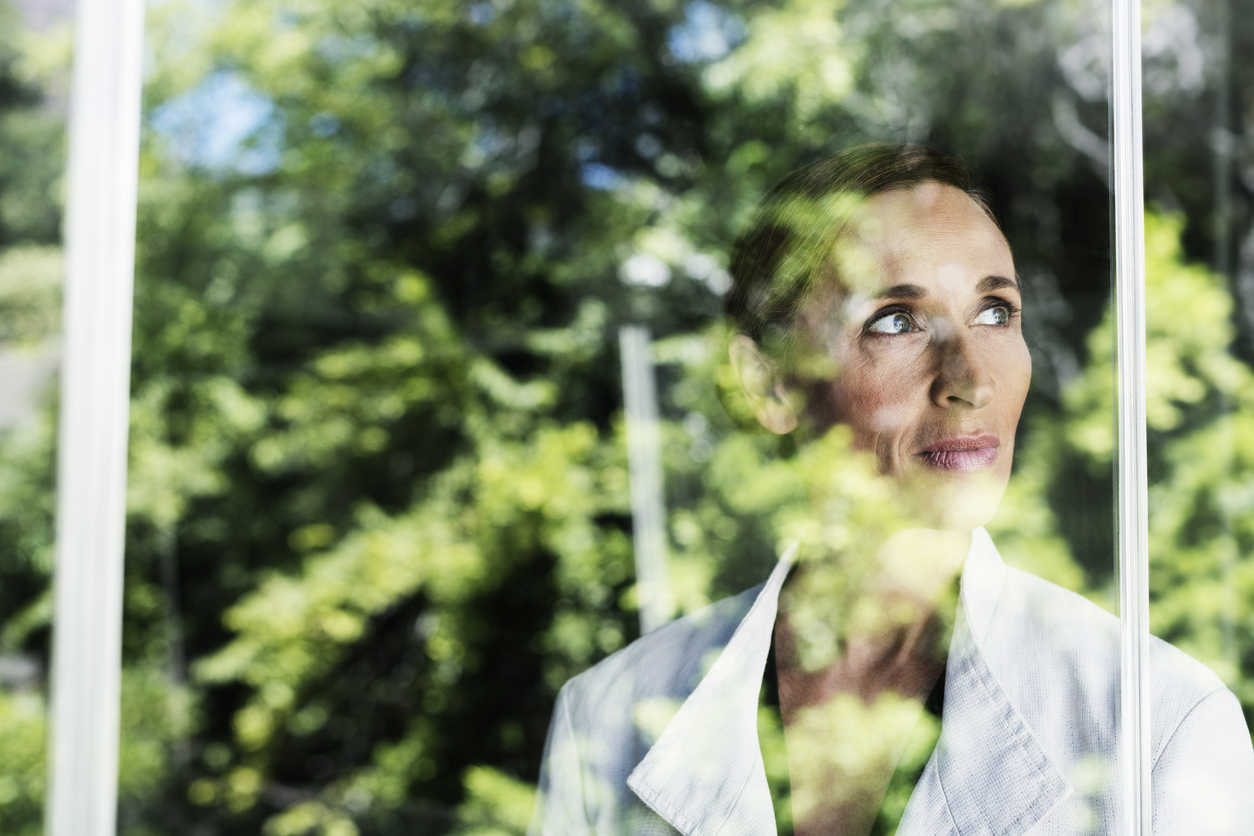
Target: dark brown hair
(785, 250)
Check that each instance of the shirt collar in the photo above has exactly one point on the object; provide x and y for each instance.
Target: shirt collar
(988, 774)
(983, 574)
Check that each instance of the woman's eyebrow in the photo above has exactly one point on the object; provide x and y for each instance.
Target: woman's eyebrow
(903, 291)
(990, 283)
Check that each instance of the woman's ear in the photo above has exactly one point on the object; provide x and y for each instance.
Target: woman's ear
(760, 381)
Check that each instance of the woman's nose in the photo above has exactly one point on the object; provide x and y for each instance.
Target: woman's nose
(962, 376)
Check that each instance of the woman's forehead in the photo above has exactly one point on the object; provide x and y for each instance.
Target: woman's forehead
(922, 237)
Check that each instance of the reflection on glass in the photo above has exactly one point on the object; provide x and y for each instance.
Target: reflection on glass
(380, 505)
(876, 320)
(33, 79)
(644, 457)
(1198, 308)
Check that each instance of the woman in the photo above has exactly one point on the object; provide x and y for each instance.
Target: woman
(878, 315)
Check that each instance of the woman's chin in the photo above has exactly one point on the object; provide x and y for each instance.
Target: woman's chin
(965, 519)
(954, 504)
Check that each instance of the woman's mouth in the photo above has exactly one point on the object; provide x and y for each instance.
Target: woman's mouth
(962, 453)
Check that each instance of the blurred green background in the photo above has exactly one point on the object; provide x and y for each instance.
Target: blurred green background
(378, 506)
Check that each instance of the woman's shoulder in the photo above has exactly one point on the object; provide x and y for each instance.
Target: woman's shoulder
(666, 663)
(1074, 644)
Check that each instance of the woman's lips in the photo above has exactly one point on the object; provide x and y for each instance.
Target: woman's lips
(962, 453)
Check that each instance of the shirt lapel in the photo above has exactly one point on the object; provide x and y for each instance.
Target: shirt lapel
(704, 774)
(989, 774)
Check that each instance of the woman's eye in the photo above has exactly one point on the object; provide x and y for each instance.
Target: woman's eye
(997, 315)
(893, 323)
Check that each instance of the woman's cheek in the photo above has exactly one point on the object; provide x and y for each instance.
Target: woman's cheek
(867, 398)
(874, 415)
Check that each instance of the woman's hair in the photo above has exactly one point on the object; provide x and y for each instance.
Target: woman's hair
(785, 251)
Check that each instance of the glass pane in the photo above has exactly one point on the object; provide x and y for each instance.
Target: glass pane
(34, 76)
(408, 274)
(1198, 336)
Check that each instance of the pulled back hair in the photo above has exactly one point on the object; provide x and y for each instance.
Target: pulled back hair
(785, 251)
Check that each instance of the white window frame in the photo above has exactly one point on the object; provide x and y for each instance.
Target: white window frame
(103, 177)
(1132, 519)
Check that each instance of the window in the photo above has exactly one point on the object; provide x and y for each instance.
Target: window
(434, 404)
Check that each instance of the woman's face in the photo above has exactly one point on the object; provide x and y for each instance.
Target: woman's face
(921, 352)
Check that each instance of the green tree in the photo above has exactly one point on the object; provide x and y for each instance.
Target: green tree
(378, 508)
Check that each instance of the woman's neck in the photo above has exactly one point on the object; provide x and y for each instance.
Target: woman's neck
(869, 623)
(859, 643)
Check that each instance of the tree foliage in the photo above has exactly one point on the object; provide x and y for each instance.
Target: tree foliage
(378, 509)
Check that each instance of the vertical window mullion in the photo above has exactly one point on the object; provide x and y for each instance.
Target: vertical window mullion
(94, 412)
(1130, 488)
